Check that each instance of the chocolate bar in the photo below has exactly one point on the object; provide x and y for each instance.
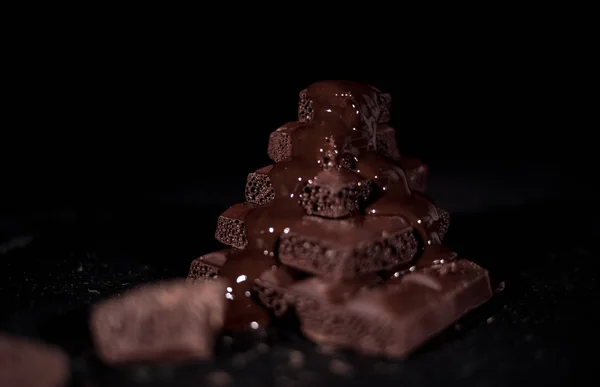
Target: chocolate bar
(230, 226)
(395, 318)
(170, 321)
(347, 248)
(28, 363)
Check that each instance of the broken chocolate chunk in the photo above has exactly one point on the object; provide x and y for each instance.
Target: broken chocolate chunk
(280, 142)
(395, 318)
(208, 266)
(271, 287)
(259, 189)
(28, 363)
(334, 194)
(443, 223)
(165, 321)
(344, 249)
(230, 226)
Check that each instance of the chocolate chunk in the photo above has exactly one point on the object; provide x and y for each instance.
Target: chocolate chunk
(230, 226)
(305, 110)
(208, 266)
(416, 173)
(334, 194)
(443, 223)
(27, 363)
(343, 249)
(395, 318)
(271, 287)
(386, 142)
(258, 187)
(371, 102)
(280, 142)
(172, 320)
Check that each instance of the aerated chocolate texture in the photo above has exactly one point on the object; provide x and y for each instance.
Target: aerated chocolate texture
(338, 231)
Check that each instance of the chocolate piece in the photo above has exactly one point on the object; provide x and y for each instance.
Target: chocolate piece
(305, 110)
(230, 226)
(395, 318)
(258, 187)
(334, 194)
(370, 101)
(280, 142)
(172, 320)
(443, 223)
(208, 266)
(347, 248)
(271, 288)
(27, 363)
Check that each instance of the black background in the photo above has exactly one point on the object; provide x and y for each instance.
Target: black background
(118, 169)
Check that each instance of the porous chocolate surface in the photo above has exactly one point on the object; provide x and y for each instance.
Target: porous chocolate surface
(347, 248)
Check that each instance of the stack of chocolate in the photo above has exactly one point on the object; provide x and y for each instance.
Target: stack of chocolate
(339, 231)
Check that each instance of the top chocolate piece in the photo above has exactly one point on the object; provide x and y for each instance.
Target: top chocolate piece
(370, 103)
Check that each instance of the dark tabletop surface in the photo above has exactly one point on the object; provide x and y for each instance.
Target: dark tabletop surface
(534, 229)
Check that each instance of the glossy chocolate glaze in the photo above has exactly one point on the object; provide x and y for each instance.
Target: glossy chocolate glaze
(338, 135)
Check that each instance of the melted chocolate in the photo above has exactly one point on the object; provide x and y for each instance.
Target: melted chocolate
(338, 134)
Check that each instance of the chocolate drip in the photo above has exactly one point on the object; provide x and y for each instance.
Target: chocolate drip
(337, 133)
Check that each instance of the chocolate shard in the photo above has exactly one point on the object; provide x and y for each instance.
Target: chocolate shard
(258, 187)
(208, 267)
(25, 362)
(165, 321)
(334, 194)
(344, 249)
(395, 318)
(416, 173)
(280, 142)
(230, 226)
(271, 286)
(443, 223)
(386, 142)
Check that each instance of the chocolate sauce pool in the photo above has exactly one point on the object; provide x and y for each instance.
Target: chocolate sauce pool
(339, 135)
